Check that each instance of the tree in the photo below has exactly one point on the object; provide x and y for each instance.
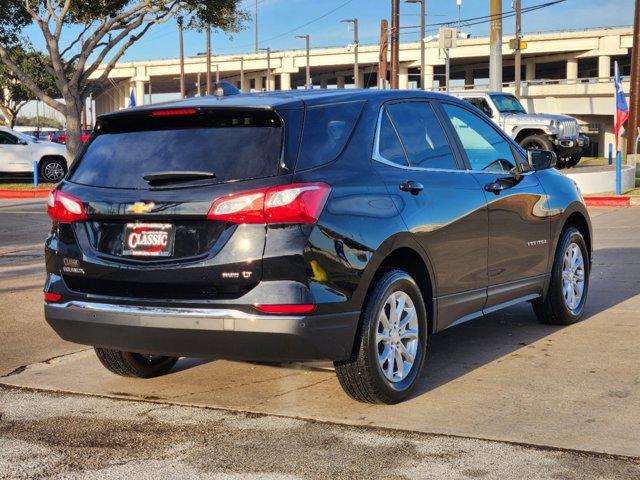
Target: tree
(13, 94)
(101, 32)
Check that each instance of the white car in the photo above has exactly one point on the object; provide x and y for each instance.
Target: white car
(18, 152)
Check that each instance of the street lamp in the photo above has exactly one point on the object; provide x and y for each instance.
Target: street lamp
(356, 70)
(209, 60)
(268, 50)
(307, 41)
(423, 28)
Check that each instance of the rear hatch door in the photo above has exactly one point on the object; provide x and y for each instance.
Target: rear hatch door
(148, 179)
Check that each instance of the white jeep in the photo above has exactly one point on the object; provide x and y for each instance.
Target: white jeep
(533, 131)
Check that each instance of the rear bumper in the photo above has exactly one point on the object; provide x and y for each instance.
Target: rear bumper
(197, 332)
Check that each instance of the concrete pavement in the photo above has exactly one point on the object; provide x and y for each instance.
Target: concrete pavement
(504, 378)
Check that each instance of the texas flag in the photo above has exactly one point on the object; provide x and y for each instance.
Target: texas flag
(622, 109)
(132, 99)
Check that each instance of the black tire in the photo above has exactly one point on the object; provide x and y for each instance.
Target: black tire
(536, 142)
(553, 308)
(127, 364)
(53, 169)
(361, 376)
(573, 160)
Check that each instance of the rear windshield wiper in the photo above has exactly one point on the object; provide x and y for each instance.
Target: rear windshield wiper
(174, 177)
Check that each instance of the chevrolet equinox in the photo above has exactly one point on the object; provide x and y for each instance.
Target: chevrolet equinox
(346, 226)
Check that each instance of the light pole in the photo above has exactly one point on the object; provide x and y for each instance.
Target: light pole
(181, 30)
(306, 38)
(268, 50)
(495, 52)
(518, 44)
(256, 22)
(356, 43)
(423, 33)
(208, 91)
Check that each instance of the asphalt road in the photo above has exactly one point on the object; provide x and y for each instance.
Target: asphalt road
(505, 396)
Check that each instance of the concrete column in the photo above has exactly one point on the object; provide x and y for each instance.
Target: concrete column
(530, 73)
(285, 81)
(323, 83)
(360, 79)
(469, 78)
(604, 67)
(139, 84)
(259, 84)
(429, 76)
(403, 82)
(340, 81)
(572, 69)
(272, 83)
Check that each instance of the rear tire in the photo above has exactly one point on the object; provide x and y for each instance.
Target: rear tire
(390, 349)
(53, 169)
(128, 364)
(562, 305)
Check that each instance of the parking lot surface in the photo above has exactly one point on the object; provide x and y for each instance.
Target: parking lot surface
(495, 391)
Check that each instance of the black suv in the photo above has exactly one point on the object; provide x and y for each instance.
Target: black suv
(323, 225)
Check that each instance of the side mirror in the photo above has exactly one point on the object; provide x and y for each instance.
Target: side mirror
(541, 159)
(488, 112)
(23, 142)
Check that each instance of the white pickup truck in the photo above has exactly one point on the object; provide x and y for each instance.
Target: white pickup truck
(532, 131)
(18, 152)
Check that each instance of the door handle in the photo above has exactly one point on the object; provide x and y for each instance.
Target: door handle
(412, 187)
(494, 187)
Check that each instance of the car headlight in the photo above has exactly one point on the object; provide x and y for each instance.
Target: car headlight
(553, 124)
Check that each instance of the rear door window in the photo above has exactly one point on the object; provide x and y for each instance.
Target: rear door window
(389, 146)
(422, 135)
(327, 129)
(233, 145)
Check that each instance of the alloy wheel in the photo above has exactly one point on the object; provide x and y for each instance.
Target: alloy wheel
(53, 172)
(573, 276)
(397, 336)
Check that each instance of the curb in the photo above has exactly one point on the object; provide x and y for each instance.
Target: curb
(18, 194)
(609, 201)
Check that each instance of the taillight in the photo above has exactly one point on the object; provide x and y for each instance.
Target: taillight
(65, 208)
(52, 297)
(287, 309)
(297, 203)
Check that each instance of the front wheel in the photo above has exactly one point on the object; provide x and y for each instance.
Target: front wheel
(391, 345)
(573, 160)
(128, 364)
(537, 142)
(569, 285)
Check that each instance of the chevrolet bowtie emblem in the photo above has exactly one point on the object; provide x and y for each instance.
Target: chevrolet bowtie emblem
(139, 208)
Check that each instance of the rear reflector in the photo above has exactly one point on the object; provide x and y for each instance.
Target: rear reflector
(65, 208)
(286, 309)
(52, 297)
(174, 112)
(296, 203)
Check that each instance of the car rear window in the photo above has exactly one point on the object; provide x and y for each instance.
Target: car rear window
(326, 131)
(233, 145)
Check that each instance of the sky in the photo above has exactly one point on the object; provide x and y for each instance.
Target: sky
(282, 20)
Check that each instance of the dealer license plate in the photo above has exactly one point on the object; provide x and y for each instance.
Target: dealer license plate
(148, 239)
